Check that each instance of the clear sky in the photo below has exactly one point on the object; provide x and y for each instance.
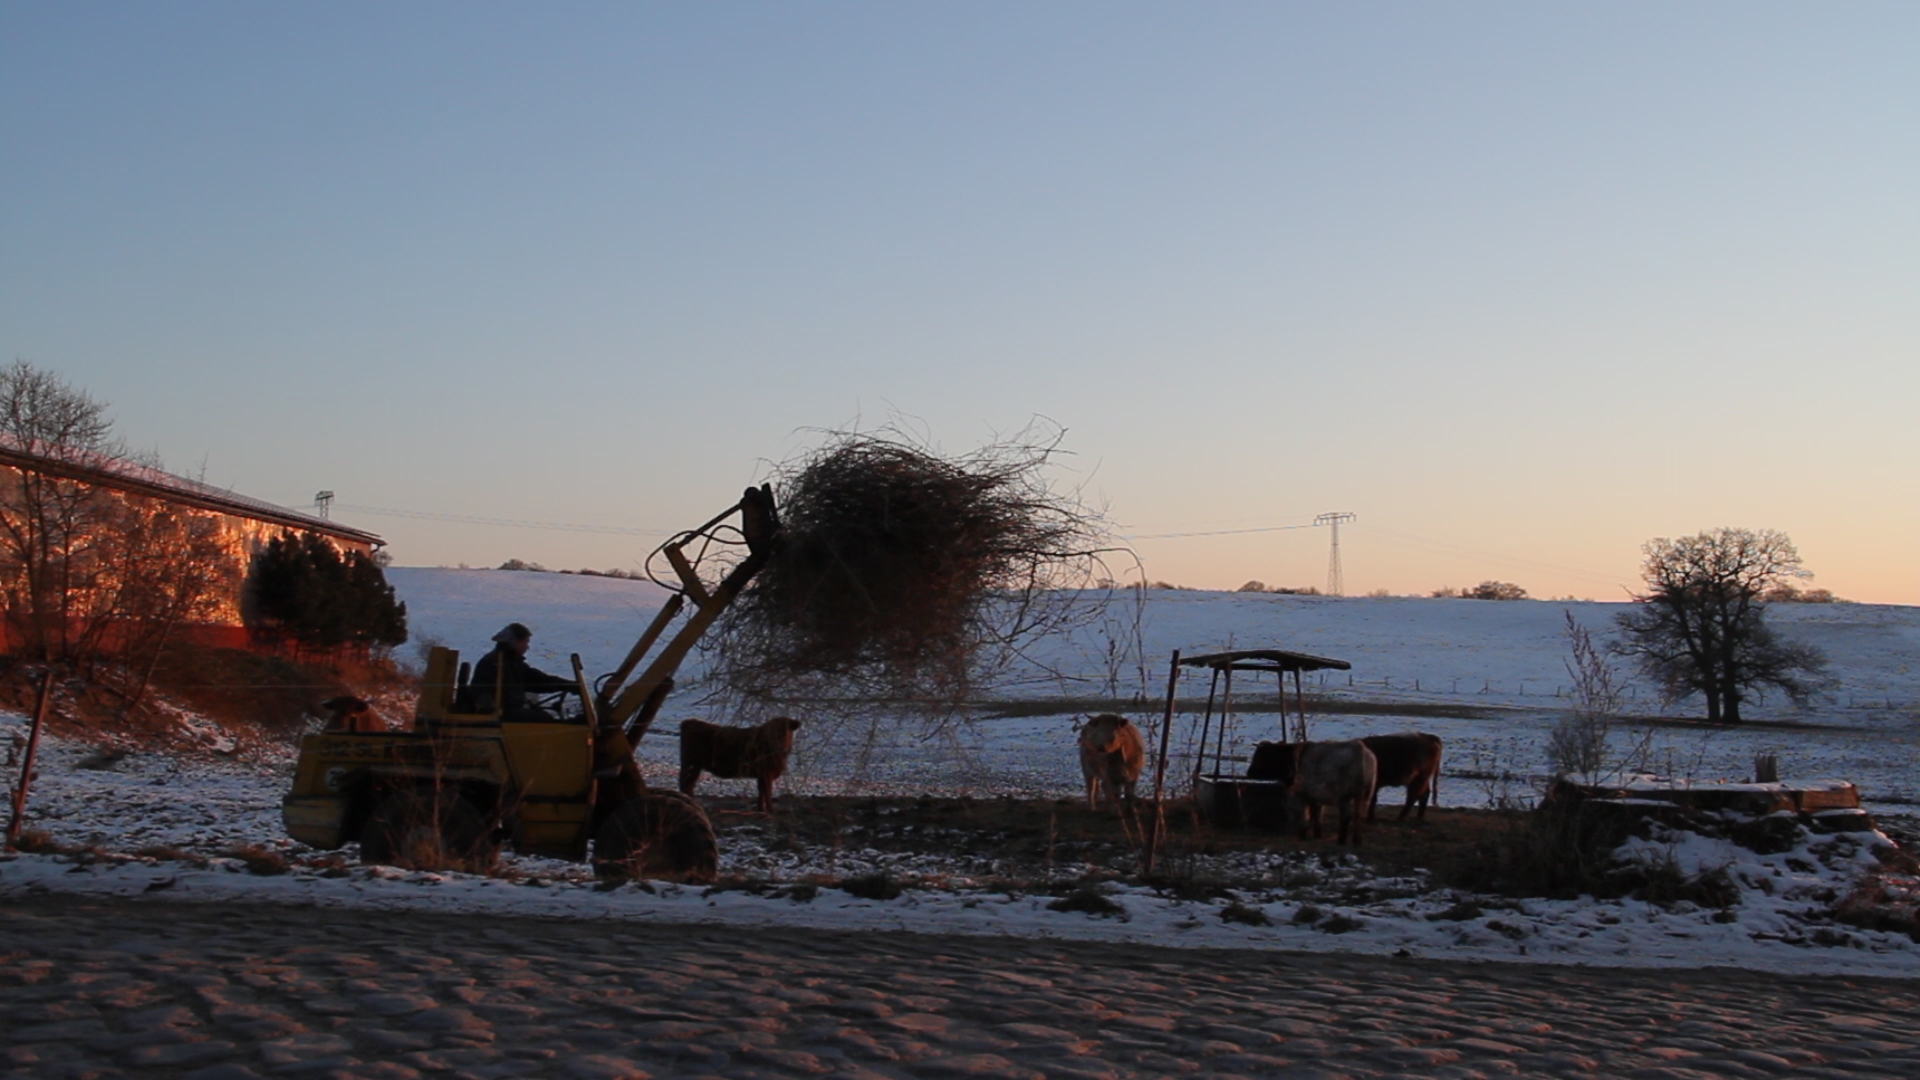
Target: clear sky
(1521, 285)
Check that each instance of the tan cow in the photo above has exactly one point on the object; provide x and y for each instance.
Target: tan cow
(1111, 757)
(737, 753)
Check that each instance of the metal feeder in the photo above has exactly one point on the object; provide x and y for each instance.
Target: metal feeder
(1231, 801)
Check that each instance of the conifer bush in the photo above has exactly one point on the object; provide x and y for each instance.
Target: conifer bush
(304, 589)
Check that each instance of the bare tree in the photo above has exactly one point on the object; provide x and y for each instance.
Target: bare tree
(1700, 628)
(88, 571)
(1494, 590)
(168, 569)
(1580, 744)
(51, 551)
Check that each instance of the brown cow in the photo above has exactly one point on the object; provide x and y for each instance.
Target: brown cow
(1340, 774)
(352, 716)
(736, 753)
(1111, 757)
(1410, 760)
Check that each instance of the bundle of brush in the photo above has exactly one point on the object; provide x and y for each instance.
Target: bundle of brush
(900, 569)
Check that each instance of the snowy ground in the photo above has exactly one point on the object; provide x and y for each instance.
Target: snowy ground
(185, 814)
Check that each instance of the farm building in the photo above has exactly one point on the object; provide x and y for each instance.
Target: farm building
(241, 527)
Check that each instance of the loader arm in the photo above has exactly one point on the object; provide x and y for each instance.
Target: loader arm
(631, 708)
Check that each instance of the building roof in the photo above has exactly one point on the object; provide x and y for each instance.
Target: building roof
(135, 478)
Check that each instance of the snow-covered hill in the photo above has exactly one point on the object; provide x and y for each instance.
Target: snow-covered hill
(1466, 651)
(1507, 659)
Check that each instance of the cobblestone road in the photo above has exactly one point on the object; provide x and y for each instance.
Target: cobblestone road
(106, 989)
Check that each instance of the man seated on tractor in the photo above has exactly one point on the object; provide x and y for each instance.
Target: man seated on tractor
(507, 667)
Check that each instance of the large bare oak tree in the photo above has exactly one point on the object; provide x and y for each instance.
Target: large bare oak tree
(1701, 628)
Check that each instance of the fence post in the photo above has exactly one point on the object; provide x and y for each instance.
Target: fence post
(26, 767)
(1160, 770)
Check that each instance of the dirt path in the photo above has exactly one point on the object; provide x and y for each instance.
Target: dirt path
(105, 989)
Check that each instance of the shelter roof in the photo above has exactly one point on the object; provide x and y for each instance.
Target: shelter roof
(1264, 660)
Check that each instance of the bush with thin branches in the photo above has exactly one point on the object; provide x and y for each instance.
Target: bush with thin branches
(908, 576)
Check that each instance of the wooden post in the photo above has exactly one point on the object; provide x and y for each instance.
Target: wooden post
(1299, 701)
(1226, 713)
(1160, 769)
(26, 767)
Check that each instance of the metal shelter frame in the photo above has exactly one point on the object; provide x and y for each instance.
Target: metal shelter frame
(1223, 665)
(1277, 661)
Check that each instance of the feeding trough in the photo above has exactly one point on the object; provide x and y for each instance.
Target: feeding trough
(1222, 792)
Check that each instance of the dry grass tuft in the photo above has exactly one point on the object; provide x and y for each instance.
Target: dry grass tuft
(260, 859)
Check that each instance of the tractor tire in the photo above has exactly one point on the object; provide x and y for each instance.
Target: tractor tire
(417, 830)
(661, 835)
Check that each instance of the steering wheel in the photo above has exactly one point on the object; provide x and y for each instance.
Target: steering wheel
(552, 701)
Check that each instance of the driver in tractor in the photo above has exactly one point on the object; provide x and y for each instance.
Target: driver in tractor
(506, 666)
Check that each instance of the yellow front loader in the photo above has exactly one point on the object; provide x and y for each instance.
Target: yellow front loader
(448, 792)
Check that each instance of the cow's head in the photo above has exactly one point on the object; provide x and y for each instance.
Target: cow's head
(781, 728)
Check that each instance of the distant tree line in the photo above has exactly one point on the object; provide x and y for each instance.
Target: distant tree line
(1257, 586)
(536, 568)
(1486, 590)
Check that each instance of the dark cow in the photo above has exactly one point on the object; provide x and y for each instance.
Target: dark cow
(1340, 774)
(736, 753)
(1272, 761)
(1410, 760)
(351, 716)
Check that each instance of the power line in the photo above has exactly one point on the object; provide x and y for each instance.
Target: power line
(1407, 539)
(513, 523)
(1458, 549)
(1216, 532)
(1333, 568)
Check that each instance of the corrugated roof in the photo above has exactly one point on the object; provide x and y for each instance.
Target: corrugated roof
(1264, 660)
(131, 476)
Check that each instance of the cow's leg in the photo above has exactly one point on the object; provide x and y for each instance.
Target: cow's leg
(1429, 786)
(1373, 805)
(689, 778)
(766, 794)
(1125, 806)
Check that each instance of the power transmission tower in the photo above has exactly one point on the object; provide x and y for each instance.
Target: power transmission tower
(322, 501)
(1336, 585)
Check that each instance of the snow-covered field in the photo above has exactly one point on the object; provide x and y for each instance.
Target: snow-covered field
(1504, 659)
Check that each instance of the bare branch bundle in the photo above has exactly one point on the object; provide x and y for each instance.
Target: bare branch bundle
(903, 574)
